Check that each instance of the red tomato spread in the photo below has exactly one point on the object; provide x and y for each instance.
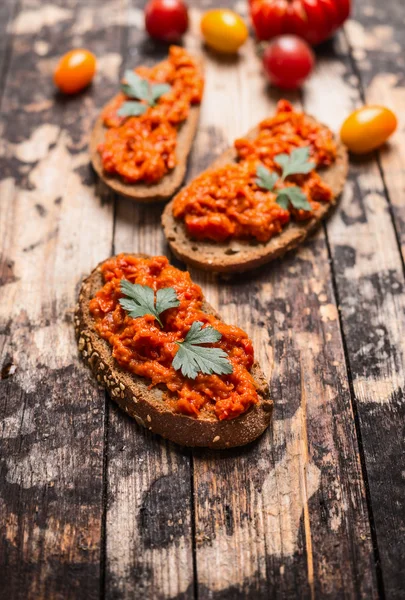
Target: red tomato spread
(143, 148)
(227, 203)
(142, 347)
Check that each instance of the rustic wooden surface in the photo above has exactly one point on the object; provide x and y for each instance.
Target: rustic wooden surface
(93, 506)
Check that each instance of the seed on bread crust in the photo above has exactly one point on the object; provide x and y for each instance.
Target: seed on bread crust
(236, 256)
(148, 407)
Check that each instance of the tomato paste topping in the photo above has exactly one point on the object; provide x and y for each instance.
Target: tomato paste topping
(143, 347)
(226, 202)
(143, 148)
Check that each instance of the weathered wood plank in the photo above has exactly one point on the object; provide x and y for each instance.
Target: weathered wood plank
(54, 229)
(370, 285)
(148, 522)
(376, 36)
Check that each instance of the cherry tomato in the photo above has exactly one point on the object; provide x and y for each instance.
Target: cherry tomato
(312, 20)
(223, 30)
(368, 128)
(74, 71)
(166, 20)
(288, 61)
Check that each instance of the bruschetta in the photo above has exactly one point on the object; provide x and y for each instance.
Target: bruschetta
(141, 141)
(259, 199)
(167, 358)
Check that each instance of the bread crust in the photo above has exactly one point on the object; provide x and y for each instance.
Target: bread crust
(147, 406)
(236, 256)
(141, 192)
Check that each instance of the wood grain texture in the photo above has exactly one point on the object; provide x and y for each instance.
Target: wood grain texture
(91, 505)
(370, 283)
(53, 229)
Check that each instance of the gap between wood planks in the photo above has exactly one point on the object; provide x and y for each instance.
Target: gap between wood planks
(305, 461)
(107, 399)
(103, 532)
(193, 528)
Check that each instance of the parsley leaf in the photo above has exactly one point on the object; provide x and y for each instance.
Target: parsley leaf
(294, 195)
(141, 89)
(292, 164)
(295, 163)
(140, 300)
(131, 109)
(192, 358)
(265, 178)
(166, 298)
(135, 86)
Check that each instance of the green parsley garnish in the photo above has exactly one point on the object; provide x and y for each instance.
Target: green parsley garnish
(292, 164)
(295, 163)
(140, 300)
(141, 89)
(265, 178)
(294, 195)
(192, 358)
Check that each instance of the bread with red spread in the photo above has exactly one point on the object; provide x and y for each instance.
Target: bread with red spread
(238, 255)
(163, 187)
(147, 404)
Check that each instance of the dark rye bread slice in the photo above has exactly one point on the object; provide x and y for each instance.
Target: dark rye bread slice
(170, 183)
(240, 255)
(142, 192)
(148, 406)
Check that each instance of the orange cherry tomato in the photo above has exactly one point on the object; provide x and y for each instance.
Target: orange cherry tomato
(75, 71)
(223, 30)
(368, 128)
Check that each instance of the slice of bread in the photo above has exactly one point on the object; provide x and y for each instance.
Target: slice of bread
(142, 192)
(148, 406)
(241, 255)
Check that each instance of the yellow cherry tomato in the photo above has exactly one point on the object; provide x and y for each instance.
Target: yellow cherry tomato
(223, 30)
(75, 71)
(368, 128)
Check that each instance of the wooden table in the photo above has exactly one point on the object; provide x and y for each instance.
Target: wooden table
(93, 506)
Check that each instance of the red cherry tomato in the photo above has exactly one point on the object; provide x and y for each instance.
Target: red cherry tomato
(288, 61)
(312, 20)
(166, 20)
(74, 71)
